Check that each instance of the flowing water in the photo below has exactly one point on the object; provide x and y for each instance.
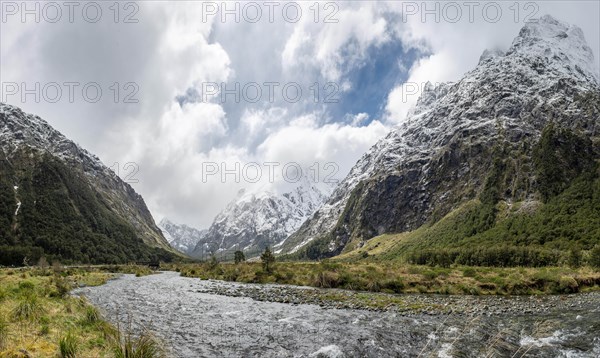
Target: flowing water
(198, 324)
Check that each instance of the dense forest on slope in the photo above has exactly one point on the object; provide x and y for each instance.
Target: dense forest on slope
(61, 217)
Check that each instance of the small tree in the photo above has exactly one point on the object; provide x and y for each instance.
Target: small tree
(239, 257)
(267, 259)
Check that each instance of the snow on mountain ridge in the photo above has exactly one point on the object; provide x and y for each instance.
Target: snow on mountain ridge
(254, 220)
(33, 131)
(553, 39)
(181, 237)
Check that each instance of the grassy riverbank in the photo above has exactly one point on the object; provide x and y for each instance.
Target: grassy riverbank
(38, 317)
(393, 278)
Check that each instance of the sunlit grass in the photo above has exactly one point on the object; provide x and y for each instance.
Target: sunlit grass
(38, 317)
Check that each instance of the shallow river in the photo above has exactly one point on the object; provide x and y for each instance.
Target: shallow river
(194, 323)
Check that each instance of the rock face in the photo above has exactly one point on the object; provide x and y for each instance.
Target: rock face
(181, 237)
(38, 163)
(254, 221)
(446, 151)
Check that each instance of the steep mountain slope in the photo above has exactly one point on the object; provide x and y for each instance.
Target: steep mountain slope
(60, 201)
(181, 237)
(473, 140)
(255, 220)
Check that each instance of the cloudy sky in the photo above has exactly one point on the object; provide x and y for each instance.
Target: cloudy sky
(190, 88)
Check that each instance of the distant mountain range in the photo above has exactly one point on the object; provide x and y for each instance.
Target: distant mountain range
(181, 237)
(252, 221)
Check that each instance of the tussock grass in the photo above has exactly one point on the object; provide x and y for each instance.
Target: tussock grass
(144, 345)
(92, 316)
(28, 308)
(68, 346)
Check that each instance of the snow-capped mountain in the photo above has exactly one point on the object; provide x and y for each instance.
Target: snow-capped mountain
(253, 221)
(443, 154)
(181, 237)
(42, 163)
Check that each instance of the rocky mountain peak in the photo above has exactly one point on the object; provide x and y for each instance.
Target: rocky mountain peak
(558, 43)
(547, 27)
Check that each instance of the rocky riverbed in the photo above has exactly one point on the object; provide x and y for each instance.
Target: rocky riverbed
(199, 318)
(407, 304)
